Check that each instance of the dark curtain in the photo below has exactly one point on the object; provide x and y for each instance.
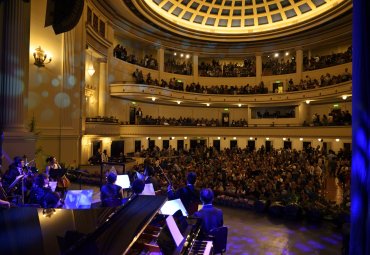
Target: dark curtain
(360, 178)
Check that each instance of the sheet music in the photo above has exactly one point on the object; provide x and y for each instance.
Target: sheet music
(53, 185)
(123, 181)
(148, 190)
(175, 232)
(172, 206)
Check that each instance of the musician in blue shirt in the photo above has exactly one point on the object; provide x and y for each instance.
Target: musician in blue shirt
(211, 216)
(111, 194)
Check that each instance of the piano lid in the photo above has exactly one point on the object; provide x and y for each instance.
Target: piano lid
(55, 231)
(117, 235)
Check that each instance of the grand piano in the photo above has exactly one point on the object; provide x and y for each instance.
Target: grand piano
(135, 228)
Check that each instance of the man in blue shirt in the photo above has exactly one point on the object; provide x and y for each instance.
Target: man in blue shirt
(211, 216)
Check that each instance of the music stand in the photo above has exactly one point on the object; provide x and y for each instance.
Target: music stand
(57, 173)
(15, 182)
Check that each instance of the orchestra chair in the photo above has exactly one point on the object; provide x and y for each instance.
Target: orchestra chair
(219, 239)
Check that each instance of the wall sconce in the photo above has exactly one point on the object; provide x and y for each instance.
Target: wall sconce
(40, 57)
(91, 69)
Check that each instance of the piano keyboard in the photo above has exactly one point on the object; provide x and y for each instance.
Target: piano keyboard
(201, 248)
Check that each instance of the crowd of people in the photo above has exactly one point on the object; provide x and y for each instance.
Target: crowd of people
(325, 80)
(215, 69)
(304, 84)
(202, 122)
(336, 117)
(227, 90)
(148, 61)
(176, 66)
(319, 62)
(277, 67)
(278, 176)
(23, 185)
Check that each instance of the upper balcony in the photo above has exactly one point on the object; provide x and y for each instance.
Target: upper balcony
(148, 93)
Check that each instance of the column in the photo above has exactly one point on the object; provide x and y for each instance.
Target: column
(160, 59)
(299, 64)
(15, 140)
(360, 172)
(195, 69)
(15, 64)
(258, 67)
(102, 87)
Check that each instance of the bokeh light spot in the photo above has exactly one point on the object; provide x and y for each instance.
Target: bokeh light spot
(47, 115)
(62, 100)
(55, 82)
(45, 93)
(71, 81)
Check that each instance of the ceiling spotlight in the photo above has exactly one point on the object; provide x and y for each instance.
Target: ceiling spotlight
(308, 101)
(187, 56)
(344, 97)
(185, 137)
(267, 138)
(153, 99)
(207, 104)
(234, 138)
(287, 53)
(159, 138)
(250, 138)
(175, 54)
(133, 102)
(219, 138)
(173, 138)
(178, 102)
(147, 138)
(301, 139)
(181, 55)
(276, 55)
(240, 105)
(284, 139)
(337, 140)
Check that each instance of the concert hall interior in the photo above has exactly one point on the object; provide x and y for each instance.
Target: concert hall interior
(253, 96)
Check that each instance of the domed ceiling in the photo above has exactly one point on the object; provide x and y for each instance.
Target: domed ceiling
(238, 18)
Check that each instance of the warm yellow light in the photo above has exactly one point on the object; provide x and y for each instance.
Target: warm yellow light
(91, 70)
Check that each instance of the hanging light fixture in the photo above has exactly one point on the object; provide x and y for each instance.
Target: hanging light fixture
(91, 69)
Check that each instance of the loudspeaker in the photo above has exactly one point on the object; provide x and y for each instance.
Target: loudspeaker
(63, 15)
